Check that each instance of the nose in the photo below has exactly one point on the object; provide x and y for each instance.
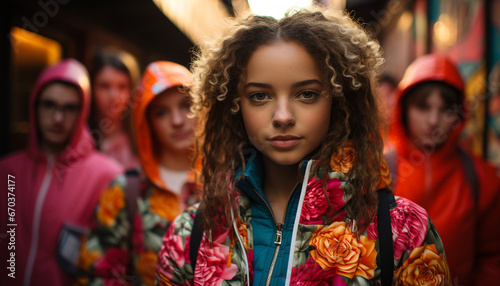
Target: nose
(283, 115)
(58, 115)
(434, 116)
(177, 117)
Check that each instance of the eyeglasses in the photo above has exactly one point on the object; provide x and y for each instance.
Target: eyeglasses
(50, 107)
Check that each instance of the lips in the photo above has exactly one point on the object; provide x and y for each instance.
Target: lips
(57, 131)
(285, 141)
(182, 135)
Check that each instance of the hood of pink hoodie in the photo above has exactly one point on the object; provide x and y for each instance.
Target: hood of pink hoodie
(81, 143)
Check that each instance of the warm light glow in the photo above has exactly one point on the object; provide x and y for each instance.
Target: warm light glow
(445, 31)
(199, 20)
(34, 47)
(276, 8)
(405, 22)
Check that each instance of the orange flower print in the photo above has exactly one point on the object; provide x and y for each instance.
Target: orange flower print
(110, 203)
(164, 204)
(146, 266)
(343, 161)
(242, 230)
(86, 258)
(424, 267)
(385, 175)
(336, 247)
(81, 280)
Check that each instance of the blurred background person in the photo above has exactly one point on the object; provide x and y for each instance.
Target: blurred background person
(385, 90)
(110, 116)
(58, 179)
(460, 191)
(165, 183)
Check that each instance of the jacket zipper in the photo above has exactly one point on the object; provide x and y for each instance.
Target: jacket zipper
(36, 219)
(277, 241)
(279, 232)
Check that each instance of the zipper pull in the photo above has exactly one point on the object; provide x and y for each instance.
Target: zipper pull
(279, 231)
(230, 255)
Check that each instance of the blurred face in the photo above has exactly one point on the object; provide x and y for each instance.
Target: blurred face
(386, 92)
(111, 92)
(168, 116)
(57, 113)
(284, 113)
(430, 123)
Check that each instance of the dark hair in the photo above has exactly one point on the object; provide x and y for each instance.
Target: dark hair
(417, 96)
(349, 60)
(100, 61)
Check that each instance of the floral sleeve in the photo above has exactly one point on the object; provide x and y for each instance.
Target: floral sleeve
(174, 265)
(418, 250)
(104, 253)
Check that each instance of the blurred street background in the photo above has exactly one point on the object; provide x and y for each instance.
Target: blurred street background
(39, 33)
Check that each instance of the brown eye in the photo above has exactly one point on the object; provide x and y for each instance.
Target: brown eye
(259, 96)
(308, 96)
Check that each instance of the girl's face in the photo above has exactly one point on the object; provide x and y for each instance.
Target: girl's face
(284, 112)
(168, 116)
(111, 92)
(430, 123)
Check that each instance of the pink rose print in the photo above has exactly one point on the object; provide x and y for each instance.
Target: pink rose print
(409, 226)
(112, 266)
(172, 250)
(311, 273)
(314, 206)
(211, 264)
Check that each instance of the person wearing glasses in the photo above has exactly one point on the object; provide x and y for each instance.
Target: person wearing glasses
(55, 184)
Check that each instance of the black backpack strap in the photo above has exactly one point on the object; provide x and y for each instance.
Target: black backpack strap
(470, 174)
(385, 199)
(132, 192)
(195, 241)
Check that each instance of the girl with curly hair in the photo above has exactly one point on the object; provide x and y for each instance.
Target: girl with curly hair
(292, 161)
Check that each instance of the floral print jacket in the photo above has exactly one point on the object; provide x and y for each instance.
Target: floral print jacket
(319, 253)
(121, 248)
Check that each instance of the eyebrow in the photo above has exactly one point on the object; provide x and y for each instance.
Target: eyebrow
(297, 84)
(57, 103)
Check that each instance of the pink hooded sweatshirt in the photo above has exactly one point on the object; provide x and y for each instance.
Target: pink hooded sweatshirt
(48, 192)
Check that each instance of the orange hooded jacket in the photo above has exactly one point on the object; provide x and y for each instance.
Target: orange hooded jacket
(158, 77)
(437, 181)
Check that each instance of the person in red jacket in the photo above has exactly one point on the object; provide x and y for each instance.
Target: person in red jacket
(55, 184)
(432, 170)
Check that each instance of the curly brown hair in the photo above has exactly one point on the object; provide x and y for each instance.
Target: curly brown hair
(349, 59)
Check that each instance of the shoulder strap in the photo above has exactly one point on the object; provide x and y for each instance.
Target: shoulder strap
(132, 192)
(195, 241)
(385, 198)
(470, 174)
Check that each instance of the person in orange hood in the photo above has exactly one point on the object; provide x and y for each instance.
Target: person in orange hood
(165, 183)
(461, 192)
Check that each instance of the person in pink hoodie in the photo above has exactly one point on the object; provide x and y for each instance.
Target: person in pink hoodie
(55, 184)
